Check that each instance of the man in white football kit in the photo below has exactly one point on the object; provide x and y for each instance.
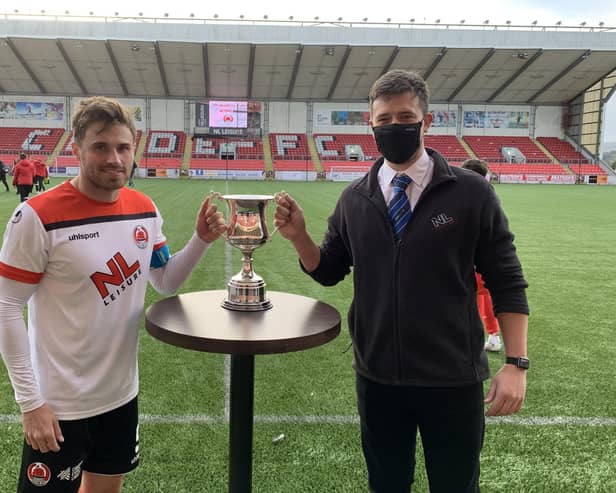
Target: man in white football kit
(80, 255)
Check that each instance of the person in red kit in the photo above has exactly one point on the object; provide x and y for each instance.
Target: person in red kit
(23, 177)
(484, 300)
(40, 175)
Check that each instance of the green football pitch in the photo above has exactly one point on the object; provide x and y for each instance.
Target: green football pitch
(564, 439)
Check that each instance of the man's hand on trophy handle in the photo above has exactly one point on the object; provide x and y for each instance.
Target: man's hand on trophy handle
(223, 229)
(278, 196)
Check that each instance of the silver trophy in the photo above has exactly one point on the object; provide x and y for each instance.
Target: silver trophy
(246, 231)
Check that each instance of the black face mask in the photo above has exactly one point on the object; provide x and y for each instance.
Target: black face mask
(398, 141)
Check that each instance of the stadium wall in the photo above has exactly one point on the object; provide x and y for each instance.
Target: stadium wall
(549, 121)
(168, 114)
(291, 117)
(10, 116)
(287, 117)
(137, 105)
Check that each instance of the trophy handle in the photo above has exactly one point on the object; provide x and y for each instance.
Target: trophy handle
(277, 196)
(218, 196)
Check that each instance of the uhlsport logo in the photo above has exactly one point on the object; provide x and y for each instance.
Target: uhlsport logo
(120, 277)
(39, 474)
(141, 236)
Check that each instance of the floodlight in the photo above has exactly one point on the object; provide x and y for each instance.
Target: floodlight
(534, 23)
(487, 21)
(583, 23)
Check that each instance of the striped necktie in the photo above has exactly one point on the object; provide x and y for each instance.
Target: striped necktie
(399, 206)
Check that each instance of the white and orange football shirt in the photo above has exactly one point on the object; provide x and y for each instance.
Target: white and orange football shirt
(90, 262)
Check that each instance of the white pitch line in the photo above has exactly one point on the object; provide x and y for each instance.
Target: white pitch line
(352, 420)
(227, 360)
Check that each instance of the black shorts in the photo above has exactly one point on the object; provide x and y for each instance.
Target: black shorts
(105, 444)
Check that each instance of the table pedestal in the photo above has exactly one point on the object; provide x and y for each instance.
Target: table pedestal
(241, 423)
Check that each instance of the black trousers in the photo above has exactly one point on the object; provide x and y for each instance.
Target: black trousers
(450, 421)
(24, 191)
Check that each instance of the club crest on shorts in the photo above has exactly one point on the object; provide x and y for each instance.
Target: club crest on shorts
(141, 236)
(39, 474)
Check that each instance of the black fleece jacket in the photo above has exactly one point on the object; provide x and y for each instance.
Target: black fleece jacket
(413, 319)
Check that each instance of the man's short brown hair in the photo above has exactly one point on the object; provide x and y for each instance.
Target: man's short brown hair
(100, 109)
(397, 82)
(476, 165)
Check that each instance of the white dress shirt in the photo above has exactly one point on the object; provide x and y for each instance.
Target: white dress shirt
(420, 172)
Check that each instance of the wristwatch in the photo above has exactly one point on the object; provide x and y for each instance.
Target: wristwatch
(520, 362)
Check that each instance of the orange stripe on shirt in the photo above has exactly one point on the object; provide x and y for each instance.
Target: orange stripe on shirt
(20, 275)
(65, 203)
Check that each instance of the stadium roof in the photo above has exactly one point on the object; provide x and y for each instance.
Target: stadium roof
(298, 61)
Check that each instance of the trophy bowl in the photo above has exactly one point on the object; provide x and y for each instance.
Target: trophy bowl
(246, 231)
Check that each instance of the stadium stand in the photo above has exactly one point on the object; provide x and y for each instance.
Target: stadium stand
(587, 169)
(231, 164)
(490, 148)
(288, 147)
(164, 149)
(346, 147)
(527, 169)
(449, 146)
(205, 147)
(338, 147)
(562, 150)
(32, 141)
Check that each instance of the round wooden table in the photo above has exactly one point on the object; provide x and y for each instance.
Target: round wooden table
(197, 321)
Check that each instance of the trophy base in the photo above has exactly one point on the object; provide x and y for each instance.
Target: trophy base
(247, 307)
(246, 296)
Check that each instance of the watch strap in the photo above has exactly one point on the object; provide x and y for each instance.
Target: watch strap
(519, 361)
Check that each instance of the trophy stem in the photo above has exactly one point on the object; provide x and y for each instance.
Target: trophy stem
(247, 272)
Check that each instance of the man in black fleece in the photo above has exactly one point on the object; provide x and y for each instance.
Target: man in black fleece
(417, 335)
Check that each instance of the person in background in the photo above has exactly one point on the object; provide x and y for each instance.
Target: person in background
(23, 177)
(131, 182)
(412, 231)
(81, 255)
(41, 174)
(484, 300)
(3, 176)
